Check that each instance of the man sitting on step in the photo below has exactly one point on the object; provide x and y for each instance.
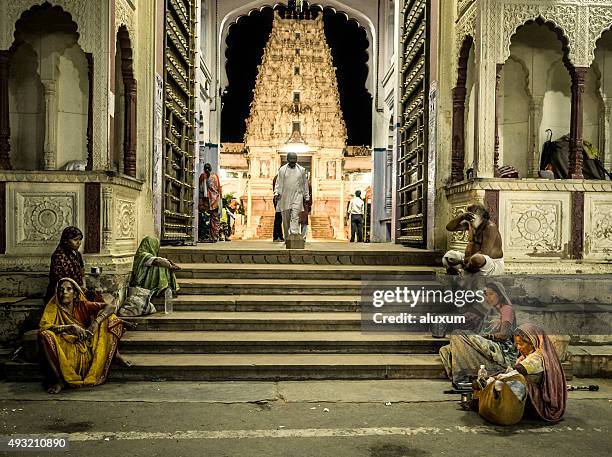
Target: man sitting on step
(483, 253)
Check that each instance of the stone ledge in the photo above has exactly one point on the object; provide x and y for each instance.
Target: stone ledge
(530, 185)
(62, 176)
(591, 361)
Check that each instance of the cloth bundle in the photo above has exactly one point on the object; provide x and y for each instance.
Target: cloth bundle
(502, 401)
(137, 303)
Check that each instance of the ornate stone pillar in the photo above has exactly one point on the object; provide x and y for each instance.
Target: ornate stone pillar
(498, 70)
(50, 146)
(129, 139)
(458, 140)
(536, 107)
(90, 77)
(340, 235)
(389, 183)
(107, 218)
(2, 217)
(578, 75)
(248, 231)
(604, 132)
(92, 217)
(5, 129)
(577, 234)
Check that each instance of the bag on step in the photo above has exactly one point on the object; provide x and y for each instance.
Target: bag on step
(137, 303)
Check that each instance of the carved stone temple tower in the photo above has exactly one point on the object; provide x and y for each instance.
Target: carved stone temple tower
(296, 107)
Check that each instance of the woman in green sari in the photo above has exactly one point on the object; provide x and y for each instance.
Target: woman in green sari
(153, 272)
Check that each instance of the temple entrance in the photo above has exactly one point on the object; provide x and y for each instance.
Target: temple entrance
(303, 160)
(297, 106)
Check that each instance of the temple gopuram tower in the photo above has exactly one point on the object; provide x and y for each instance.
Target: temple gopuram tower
(296, 108)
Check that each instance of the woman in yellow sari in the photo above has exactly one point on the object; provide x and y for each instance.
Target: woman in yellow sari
(79, 338)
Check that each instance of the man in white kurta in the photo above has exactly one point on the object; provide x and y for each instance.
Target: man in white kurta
(291, 191)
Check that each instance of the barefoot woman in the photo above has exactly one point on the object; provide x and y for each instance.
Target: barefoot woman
(79, 338)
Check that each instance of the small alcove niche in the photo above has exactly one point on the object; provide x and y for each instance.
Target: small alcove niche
(602, 69)
(535, 96)
(48, 91)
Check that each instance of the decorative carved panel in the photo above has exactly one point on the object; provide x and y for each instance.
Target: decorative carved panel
(43, 216)
(458, 240)
(535, 224)
(598, 226)
(125, 220)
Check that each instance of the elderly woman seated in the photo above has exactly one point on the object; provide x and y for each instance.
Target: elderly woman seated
(535, 385)
(491, 345)
(79, 338)
(541, 367)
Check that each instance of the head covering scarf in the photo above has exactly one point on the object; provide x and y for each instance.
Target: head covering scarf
(491, 321)
(500, 290)
(65, 262)
(149, 248)
(550, 396)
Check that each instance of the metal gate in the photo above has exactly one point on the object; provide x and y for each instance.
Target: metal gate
(412, 153)
(179, 120)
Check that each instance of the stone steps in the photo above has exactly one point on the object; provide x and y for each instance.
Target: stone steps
(257, 311)
(220, 342)
(201, 286)
(262, 367)
(248, 321)
(317, 253)
(299, 271)
(266, 303)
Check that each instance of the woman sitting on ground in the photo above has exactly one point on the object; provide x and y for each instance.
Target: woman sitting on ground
(491, 345)
(79, 338)
(541, 367)
(153, 272)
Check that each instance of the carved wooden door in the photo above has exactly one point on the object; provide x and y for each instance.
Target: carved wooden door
(412, 153)
(179, 120)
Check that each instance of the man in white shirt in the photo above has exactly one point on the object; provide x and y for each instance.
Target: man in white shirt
(291, 191)
(355, 213)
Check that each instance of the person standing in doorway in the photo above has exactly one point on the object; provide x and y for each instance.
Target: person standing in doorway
(210, 186)
(291, 190)
(355, 213)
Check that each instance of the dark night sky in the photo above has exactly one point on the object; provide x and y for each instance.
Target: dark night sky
(348, 43)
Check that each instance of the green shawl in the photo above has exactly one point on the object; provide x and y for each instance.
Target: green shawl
(152, 278)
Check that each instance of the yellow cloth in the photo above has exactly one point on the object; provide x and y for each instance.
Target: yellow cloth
(81, 363)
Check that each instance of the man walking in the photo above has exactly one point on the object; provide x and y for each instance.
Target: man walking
(355, 213)
(291, 191)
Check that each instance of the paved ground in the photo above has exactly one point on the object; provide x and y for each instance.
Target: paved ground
(294, 419)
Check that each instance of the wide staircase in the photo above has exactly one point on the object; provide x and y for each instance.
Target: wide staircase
(274, 314)
(256, 311)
